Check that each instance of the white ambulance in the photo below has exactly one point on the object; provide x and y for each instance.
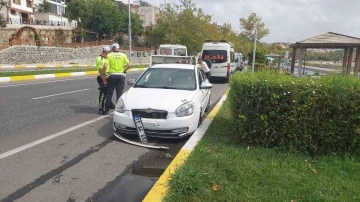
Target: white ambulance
(222, 56)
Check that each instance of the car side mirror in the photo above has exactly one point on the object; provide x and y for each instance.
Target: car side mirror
(206, 85)
(130, 82)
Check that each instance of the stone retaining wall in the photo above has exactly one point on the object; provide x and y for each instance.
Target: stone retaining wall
(56, 55)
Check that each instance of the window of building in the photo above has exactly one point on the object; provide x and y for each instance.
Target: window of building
(28, 4)
(17, 2)
(13, 12)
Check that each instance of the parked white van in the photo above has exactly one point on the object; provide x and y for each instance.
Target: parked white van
(222, 56)
(172, 49)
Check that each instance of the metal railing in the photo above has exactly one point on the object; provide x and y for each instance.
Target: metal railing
(24, 21)
(27, 42)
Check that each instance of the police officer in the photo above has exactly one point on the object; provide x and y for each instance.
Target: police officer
(100, 61)
(117, 64)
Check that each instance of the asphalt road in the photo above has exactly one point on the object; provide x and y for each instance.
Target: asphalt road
(62, 150)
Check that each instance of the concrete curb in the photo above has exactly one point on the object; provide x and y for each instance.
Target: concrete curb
(160, 188)
(56, 75)
(41, 66)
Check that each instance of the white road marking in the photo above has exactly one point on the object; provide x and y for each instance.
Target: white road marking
(78, 73)
(36, 98)
(25, 84)
(42, 140)
(44, 76)
(5, 79)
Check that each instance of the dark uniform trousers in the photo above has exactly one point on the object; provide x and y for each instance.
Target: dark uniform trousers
(102, 94)
(208, 75)
(116, 82)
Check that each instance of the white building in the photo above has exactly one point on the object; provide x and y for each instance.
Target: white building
(147, 12)
(18, 12)
(55, 16)
(57, 6)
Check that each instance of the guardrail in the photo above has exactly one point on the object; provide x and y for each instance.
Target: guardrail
(24, 21)
(27, 42)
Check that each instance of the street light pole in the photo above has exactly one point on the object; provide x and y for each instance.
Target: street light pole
(254, 51)
(129, 32)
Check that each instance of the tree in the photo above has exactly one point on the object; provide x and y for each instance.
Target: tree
(79, 9)
(3, 3)
(253, 21)
(136, 24)
(181, 23)
(259, 54)
(275, 48)
(44, 7)
(107, 17)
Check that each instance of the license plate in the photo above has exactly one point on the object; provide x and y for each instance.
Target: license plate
(149, 125)
(140, 128)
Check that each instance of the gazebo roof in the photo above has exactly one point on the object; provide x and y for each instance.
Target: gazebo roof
(329, 40)
(273, 55)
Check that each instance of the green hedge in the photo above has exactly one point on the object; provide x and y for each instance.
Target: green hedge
(312, 115)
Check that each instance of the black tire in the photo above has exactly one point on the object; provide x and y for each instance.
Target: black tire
(208, 62)
(199, 123)
(228, 79)
(208, 105)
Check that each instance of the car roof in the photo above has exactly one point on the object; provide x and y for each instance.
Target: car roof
(177, 66)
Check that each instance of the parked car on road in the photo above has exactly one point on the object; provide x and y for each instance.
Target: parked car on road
(169, 98)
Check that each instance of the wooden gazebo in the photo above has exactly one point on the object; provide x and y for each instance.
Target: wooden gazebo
(329, 40)
(273, 55)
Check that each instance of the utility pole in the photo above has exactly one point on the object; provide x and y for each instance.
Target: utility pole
(129, 32)
(254, 51)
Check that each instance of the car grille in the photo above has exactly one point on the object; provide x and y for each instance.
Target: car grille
(150, 133)
(155, 114)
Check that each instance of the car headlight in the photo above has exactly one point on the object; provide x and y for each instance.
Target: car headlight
(120, 106)
(185, 109)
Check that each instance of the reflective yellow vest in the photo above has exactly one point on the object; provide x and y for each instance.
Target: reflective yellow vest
(100, 61)
(117, 62)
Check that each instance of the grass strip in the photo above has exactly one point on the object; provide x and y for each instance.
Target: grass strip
(222, 169)
(53, 71)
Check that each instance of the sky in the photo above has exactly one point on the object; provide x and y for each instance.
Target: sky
(288, 20)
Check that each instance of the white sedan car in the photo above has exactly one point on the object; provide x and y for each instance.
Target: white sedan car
(169, 98)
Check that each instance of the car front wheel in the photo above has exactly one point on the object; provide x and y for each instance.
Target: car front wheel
(208, 105)
(199, 123)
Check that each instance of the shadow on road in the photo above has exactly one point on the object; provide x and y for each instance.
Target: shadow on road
(78, 109)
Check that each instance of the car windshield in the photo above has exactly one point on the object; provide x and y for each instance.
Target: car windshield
(180, 51)
(167, 78)
(216, 56)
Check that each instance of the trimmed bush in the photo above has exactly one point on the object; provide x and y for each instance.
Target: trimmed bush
(312, 115)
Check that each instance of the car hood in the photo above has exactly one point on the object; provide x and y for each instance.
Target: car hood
(162, 99)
